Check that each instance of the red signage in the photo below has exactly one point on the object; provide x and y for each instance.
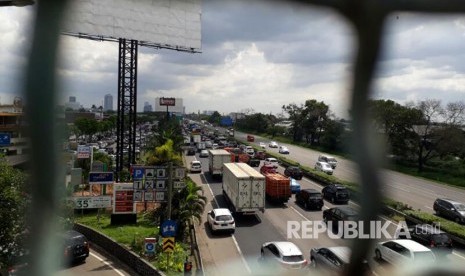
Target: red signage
(168, 101)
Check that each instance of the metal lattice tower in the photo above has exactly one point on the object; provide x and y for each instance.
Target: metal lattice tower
(127, 99)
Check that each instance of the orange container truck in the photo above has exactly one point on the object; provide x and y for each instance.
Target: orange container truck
(278, 188)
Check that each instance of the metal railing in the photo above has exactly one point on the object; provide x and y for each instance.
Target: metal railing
(367, 17)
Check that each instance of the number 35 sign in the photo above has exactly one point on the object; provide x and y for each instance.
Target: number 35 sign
(88, 202)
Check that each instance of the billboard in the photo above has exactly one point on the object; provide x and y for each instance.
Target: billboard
(166, 22)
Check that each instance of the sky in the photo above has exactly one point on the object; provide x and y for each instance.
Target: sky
(256, 56)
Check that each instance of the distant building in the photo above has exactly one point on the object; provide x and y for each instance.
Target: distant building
(148, 107)
(108, 102)
(72, 104)
(208, 112)
(178, 108)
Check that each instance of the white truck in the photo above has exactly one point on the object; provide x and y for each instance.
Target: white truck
(216, 159)
(201, 146)
(243, 188)
(196, 138)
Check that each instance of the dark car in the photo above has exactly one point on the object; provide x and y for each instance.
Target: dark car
(254, 162)
(336, 193)
(450, 209)
(76, 247)
(333, 259)
(432, 237)
(294, 172)
(190, 151)
(309, 198)
(339, 215)
(260, 155)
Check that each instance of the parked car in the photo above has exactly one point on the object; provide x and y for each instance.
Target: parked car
(450, 209)
(221, 219)
(402, 252)
(333, 259)
(271, 161)
(262, 145)
(432, 237)
(273, 144)
(195, 166)
(283, 150)
(282, 255)
(76, 247)
(339, 215)
(328, 159)
(294, 172)
(323, 167)
(336, 193)
(203, 153)
(309, 198)
(190, 151)
(295, 186)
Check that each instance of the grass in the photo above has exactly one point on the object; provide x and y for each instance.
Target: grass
(453, 180)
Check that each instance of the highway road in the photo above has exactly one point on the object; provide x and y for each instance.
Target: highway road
(416, 192)
(98, 263)
(253, 231)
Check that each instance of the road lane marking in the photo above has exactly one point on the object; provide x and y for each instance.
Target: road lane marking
(428, 207)
(107, 263)
(458, 255)
(233, 237)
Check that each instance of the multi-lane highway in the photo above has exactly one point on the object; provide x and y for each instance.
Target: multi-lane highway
(253, 231)
(416, 192)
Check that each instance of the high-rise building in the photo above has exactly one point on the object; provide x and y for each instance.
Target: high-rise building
(72, 99)
(147, 107)
(72, 103)
(108, 102)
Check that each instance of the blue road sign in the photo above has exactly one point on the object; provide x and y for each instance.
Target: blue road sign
(169, 228)
(101, 178)
(5, 139)
(138, 173)
(149, 247)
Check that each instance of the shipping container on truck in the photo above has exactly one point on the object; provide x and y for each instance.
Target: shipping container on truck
(243, 188)
(196, 138)
(278, 188)
(216, 159)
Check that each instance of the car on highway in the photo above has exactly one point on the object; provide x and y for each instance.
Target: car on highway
(250, 151)
(221, 219)
(338, 215)
(267, 168)
(450, 209)
(262, 145)
(333, 259)
(253, 162)
(294, 172)
(195, 166)
(282, 255)
(336, 193)
(190, 151)
(250, 138)
(260, 155)
(295, 186)
(309, 199)
(272, 161)
(328, 159)
(283, 150)
(76, 247)
(432, 237)
(203, 153)
(273, 144)
(403, 252)
(323, 167)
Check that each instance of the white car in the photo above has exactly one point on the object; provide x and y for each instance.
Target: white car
(195, 166)
(271, 161)
(403, 252)
(324, 167)
(262, 145)
(282, 255)
(283, 150)
(250, 151)
(203, 153)
(273, 144)
(221, 219)
(328, 159)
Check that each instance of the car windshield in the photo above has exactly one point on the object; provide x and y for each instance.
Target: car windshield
(224, 218)
(441, 238)
(424, 257)
(293, 259)
(460, 207)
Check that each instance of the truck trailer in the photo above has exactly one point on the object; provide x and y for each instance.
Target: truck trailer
(216, 159)
(243, 188)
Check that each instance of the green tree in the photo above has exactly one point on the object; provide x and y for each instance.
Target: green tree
(215, 118)
(296, 116)
(163, 154)
(315, 114)
(87, 127)
(14, 204)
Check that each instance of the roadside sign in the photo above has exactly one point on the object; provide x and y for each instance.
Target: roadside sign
(98, 166)
(169, 228)
(179, 184)
(138, 173)
(123, 194)
(101, 178)
(91, 202)
(150, 246)
(168, 244)
(83, 151)
(168, 101)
